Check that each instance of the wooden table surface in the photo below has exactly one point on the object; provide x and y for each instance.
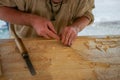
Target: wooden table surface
(87, 59)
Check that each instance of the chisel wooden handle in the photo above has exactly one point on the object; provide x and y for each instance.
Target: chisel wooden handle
(18, 41)
(20, 45)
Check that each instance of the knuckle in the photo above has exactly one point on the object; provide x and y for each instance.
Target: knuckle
(49, 22)
(39, 34)
(66, 28)
(67, 37)
(49, 32)
(69, 28)
(42, 31)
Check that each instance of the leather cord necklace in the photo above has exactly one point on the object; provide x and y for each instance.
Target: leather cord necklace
(54, 13)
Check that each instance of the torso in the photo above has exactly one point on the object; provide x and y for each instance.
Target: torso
(42, 8)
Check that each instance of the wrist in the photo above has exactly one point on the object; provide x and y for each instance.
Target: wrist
(76, 27)
(33, 20)
(80, 23)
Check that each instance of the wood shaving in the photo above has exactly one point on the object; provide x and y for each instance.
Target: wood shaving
(107, 40)
(91, 45)
(98, 64)
(53, 48)
(108, 43)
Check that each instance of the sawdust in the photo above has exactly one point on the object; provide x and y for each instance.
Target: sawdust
(102, 44)
(99, 64)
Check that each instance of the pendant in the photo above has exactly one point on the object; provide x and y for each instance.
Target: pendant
(53, 18)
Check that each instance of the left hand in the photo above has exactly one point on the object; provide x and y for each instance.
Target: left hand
(69, 34)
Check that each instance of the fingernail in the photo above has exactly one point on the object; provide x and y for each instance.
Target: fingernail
(69, 44)
(58, 39)
(62, 41)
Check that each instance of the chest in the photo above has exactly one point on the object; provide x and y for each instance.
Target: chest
(45, 9)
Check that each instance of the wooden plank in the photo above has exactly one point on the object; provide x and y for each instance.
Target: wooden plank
(0, 67)
(53, 61)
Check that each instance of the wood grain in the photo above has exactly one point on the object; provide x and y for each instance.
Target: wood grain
(53, 61)
(0, 67)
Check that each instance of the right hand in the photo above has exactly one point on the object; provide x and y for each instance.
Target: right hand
(44, 28)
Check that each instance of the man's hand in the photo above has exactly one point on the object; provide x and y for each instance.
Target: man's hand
(69, 34)
(44, 28)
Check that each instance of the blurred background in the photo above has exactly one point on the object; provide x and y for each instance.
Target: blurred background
(107, 20)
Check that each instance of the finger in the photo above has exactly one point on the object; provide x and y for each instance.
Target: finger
(52, 35)
(64, 35)
(46, 36)
(51, 27)
(71, 39)
(67, 37)
(60, 35)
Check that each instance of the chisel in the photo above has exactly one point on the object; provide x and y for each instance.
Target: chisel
(23, 52)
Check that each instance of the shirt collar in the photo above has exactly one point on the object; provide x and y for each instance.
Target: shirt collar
(64, 1)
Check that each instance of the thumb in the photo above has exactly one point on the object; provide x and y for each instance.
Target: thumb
(51, 27)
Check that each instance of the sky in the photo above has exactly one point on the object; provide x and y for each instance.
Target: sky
(107, 10)
(107, 19)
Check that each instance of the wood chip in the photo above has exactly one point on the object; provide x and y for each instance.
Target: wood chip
(91, 45)
(107, 40)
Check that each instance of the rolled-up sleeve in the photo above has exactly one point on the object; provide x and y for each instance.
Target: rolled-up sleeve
(86, 10)
(90, 16)
(7, 3)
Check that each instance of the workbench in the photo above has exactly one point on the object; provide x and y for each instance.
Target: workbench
(89, 58)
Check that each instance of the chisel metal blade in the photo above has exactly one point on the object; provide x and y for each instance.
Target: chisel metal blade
(29, 64)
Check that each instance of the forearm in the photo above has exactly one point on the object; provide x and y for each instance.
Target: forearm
(81, 23)
(16, 17)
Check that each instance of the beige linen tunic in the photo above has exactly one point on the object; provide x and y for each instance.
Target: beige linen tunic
(70, 10)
